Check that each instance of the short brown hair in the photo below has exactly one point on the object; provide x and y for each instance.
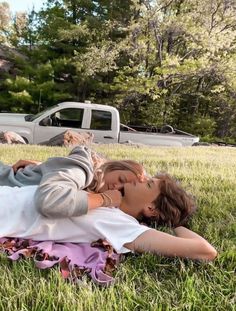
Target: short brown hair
(174, 205)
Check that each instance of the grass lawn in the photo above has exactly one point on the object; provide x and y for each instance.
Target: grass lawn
(145, 282)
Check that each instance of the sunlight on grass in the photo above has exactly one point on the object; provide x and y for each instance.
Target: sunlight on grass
(145, 282)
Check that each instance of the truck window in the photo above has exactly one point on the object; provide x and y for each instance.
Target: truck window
(69, 117)
(100, 120)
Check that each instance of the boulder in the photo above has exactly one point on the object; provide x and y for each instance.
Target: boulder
(70, 138)
(11, 138)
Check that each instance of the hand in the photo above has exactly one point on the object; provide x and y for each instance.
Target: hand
(112, 198)
(23, 163)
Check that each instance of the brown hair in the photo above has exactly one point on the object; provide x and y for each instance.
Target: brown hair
(174, 205)
(109, 166)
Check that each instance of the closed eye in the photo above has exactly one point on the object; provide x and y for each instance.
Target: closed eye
(150, 183)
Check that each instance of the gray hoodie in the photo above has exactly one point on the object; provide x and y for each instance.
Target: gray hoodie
(61, 182)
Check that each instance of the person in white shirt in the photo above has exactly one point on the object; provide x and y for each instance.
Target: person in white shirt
(160, 199)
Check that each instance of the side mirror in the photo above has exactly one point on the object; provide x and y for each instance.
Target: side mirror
(46, 121)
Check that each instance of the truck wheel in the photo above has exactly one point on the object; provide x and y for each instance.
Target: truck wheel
(26, 140)
(167, 129)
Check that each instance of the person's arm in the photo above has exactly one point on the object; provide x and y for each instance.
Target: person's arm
(73, 154)
(185, 244)
(64, 198)
(97, 159)
(60, 193)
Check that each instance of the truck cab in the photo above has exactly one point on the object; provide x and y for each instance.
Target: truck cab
(103, 121)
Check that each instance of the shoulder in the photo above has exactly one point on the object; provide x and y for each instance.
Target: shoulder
(115, 218)
(116, 226)
(82, 151)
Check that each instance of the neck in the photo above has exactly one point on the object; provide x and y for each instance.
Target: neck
(130, 210)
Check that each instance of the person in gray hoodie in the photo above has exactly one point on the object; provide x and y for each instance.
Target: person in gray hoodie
(62, 182)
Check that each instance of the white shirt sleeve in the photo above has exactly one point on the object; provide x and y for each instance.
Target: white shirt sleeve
(120, 229)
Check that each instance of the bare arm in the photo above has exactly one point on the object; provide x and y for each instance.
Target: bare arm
(185, 244)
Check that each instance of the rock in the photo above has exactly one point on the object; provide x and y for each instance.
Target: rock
(11, 138)
(70, 138)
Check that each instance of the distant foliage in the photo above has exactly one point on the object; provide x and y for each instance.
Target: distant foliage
(159, 62)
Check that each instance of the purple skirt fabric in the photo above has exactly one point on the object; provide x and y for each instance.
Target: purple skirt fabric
(98, 259)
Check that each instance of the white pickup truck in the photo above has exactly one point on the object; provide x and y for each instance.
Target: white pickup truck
(101, 120)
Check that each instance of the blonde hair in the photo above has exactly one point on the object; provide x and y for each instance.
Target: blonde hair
(109, 166)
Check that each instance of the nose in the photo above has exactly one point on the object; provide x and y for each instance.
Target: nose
(145, 178)
(141, 181)
(142, 178)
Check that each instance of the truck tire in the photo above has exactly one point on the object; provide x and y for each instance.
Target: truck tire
(25, 139)
(167, 129)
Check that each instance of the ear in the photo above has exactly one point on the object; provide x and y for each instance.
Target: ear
(150, 210)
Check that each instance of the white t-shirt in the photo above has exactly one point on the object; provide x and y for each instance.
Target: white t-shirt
(19, 218)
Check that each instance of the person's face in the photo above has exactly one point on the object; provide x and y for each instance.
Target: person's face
(116, 180)
(139, 196)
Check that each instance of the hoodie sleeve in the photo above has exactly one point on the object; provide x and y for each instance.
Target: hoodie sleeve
(60, 192)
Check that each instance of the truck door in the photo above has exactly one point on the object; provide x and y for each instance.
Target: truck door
(100, 124)
(58, 122)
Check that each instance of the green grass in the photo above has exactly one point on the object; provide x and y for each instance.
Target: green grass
(145, 282)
